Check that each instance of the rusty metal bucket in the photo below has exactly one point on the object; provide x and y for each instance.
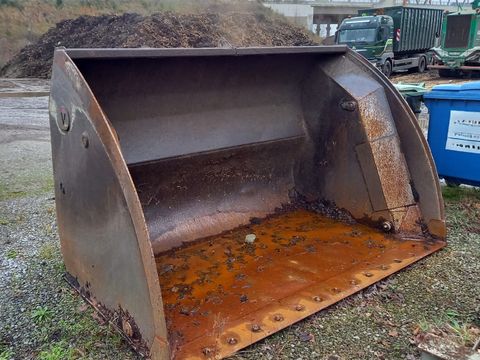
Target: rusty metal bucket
(207, 198)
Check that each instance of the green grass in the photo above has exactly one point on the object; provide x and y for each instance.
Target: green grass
(453, 324)
(32, 174)
(65, 328)
(461, 332)
(8, 194)
(6, 354)
(35, 186)
(48, 251)
(459, 193)
(453, 309)
(11, 254)
(41, 315)
(57, 351)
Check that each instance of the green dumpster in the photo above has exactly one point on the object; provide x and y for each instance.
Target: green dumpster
(413, 94)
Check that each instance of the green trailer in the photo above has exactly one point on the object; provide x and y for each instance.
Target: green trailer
(393, 38)
(459, 51)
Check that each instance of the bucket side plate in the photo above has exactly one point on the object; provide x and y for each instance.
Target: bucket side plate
(103, 235)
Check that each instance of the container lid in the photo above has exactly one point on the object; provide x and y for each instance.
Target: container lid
(411, 89)
(467, 91)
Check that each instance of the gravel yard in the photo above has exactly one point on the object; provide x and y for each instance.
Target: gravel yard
(42, 318)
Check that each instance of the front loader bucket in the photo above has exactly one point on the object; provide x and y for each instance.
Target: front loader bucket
(207, 198)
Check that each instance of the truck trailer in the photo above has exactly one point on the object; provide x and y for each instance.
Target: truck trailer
(393, 38)
(459, 51)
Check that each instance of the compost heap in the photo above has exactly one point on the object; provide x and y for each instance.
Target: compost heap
(161, 30)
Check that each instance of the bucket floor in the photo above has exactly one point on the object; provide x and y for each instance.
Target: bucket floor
(222, 294)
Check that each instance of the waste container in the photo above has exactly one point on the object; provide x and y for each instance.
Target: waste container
(454, 131)
(413, 94)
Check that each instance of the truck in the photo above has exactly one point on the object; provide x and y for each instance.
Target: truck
(393, 38)
(459, 51)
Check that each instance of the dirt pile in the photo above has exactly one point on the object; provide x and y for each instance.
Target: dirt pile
(160, 30)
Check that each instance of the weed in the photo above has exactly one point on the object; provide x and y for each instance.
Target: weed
(6, 354)
(57, 351)
(461, 331)
(452, 314)
(457, 328)
(11, 254)
(451, 324)
(41, 314)
(47, 251)
(424, 325)
(60, 267)
(4, 222)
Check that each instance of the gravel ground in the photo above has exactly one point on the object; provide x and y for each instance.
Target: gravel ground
(40, 317)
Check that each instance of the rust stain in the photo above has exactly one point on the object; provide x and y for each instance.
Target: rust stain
(222, 293)
(393, 172)
(376, 116)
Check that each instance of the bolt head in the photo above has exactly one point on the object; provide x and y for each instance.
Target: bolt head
(256, 328)
(207, 351)
(278, 317)
(387, 226)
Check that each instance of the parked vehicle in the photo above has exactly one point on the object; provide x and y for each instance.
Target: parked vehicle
(393, 38)
(459, 51)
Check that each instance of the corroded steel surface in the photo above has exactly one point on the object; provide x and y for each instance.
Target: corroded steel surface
(223, 293)
(154, 149)
(102, 231)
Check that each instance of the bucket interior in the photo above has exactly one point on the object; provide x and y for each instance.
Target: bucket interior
(209, 142)
(223, 293)
(224, 148)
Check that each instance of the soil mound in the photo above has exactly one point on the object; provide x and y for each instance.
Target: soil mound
(160, 30)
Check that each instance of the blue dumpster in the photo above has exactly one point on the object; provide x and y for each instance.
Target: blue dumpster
(454, 131)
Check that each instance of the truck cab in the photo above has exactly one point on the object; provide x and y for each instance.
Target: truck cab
(459, 51)
(394, 38)
(370, 36)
